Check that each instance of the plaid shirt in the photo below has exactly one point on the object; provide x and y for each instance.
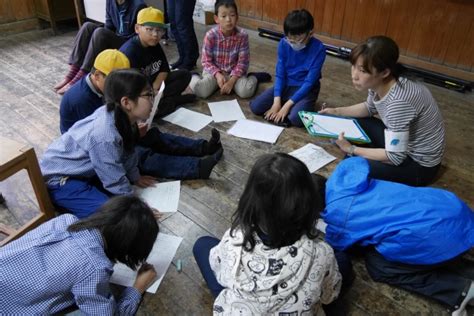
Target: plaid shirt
(228, 54)
(50, 269)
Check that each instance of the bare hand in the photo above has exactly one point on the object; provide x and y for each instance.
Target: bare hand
(142, 129)
(280, 116)
(227, 87)
(330, 111)
(145, 277)
(343, 144)
(220, 80)
(157, 214)
(145, 181)
(270, 114)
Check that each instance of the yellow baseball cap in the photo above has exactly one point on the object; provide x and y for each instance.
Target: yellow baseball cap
(151, 17)
(111, 59)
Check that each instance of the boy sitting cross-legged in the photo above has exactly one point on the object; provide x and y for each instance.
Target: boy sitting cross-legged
(298, 70)
(225, 57)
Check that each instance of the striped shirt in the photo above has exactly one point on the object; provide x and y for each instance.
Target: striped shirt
(227, 54)
(92, 147)
(50, 269)
(409, 106)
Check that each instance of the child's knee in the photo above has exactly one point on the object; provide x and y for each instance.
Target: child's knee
(295, 119)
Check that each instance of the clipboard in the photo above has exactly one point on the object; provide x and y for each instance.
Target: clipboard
(331, 126)
(156, 101)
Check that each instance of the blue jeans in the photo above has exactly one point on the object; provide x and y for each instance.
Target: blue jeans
(264, 101)
(202, 248)
(166, 155)
(79, 197)
(180, 14)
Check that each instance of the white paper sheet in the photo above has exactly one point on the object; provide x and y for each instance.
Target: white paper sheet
(314, 157)
(163, 196)
(155, 105)
(226, 111)
(333, 126)
(160, 257)
(188, 119)
(256, 131)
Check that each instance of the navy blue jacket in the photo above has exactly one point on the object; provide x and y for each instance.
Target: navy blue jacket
(77, 103)
(129, 9)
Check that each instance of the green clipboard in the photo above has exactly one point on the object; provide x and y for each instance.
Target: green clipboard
(310, 121)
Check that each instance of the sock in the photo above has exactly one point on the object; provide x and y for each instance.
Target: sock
(207, 163)
(213, 144)
(73, 69)
(468, 299)
(81, 73)
(261, 76)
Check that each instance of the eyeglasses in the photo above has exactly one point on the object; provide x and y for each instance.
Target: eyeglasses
(150, 95)
(298, 39)
(154, 30)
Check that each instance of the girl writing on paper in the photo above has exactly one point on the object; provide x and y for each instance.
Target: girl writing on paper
(68, 261)
(400, 116)
(98, 157)
(270, 262)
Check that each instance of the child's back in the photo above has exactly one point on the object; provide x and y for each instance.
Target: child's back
(294, 278)
(270, 261)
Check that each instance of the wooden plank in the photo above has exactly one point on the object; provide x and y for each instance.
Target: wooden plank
(338, 18)
(421, 29)
(23, 9)
(349, 20)
(328, 12)
(401, 23)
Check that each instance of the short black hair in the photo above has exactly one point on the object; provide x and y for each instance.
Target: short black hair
(128, 227)
(227, 4)
(280, 200)
(298, 22)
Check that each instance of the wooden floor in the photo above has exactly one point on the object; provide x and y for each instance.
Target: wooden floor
(30, 64)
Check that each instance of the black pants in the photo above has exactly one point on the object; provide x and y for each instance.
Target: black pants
(175, 84)
(89, 42)
(409, 172)
(434, 281)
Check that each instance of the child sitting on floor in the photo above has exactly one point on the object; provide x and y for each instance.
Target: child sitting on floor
(225, 57)
(66, 261)
(96, 158)
(270, 262)
(145, 53)
(298, 70)
(161, 155)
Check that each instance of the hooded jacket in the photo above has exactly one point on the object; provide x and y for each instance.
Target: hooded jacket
(405, 224)
(290, 280)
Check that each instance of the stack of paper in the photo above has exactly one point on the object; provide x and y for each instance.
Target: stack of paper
(256, 131)
(163, 197)
(314, 157)
(226, 111)
(163, 251)
(188, 119)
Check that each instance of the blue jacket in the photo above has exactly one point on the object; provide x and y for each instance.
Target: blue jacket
(299, 68)
(128, 10)
(405, 224)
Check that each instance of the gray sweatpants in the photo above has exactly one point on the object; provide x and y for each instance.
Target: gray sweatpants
(244, 86)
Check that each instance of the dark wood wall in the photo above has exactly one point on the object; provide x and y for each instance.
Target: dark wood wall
(433, 34)
(17, 16)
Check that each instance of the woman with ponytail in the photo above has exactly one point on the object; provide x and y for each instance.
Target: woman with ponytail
(400, 116)
(95, 158)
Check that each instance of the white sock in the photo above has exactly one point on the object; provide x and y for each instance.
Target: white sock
(468, 299)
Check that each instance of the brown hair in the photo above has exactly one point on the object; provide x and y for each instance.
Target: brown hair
(379, 53)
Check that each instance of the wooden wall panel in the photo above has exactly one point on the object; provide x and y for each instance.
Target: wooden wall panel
(6, 14)
(23, 9)
(432, 32)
